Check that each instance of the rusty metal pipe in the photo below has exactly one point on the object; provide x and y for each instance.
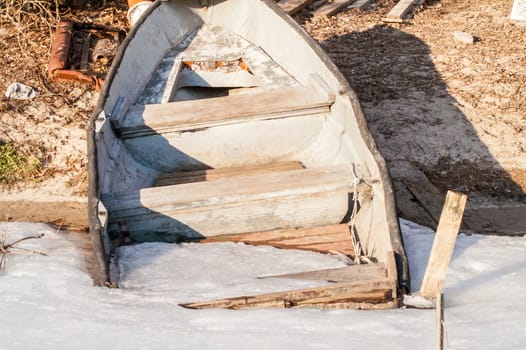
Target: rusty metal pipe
(60, 47)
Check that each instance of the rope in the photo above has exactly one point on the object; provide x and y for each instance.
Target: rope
(356, 244)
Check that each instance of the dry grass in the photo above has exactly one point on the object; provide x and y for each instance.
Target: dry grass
(30, 15)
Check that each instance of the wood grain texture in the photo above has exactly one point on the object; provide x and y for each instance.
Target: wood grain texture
(341, 274)
(64, 213)
(294, 6)
(401, 10)
(263, 202)
(143, 120)
(332, 7)
(338, 292)
(443, 245)
(182, 177)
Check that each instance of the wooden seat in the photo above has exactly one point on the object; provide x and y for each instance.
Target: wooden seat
(261, 202)
(182, 177)
(144, 120)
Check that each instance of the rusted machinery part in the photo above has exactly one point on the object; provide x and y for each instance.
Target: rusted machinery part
(60, 47)
(73, 75)
(58, 62)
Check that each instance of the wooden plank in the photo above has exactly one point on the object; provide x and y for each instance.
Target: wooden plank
(332, 7)
(402, 9)
(335, 292)
(373, 297)
(440, 321)
(277, 235)
(321, 239)
(144, 120)
(216, 192)
(361, 4)
(64, 213)
(345, 247)
(171, 83)
(292, 7)
(313, 240)
(409, 208)
(424, 192)
(443, 245)
(282, 199)
(341, 274)
(506, 218)
(214, 174)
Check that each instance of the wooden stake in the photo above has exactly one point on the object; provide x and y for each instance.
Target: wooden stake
(440, 321)
(442, 250)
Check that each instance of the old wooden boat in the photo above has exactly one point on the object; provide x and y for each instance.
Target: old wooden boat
(223, 120)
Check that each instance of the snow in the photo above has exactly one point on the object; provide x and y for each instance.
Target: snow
(50, 302)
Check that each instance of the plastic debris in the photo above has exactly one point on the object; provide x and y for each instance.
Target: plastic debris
(20, 91)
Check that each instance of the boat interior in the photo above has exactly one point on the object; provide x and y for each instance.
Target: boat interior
(214, 130)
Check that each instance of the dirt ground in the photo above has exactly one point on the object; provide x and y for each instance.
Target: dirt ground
(455, 111)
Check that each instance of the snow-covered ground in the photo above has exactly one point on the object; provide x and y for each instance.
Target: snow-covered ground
(48, 302)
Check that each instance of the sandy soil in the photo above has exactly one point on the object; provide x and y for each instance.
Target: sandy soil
(457, 111)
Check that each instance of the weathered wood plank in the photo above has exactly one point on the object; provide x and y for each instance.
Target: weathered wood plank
(143, 120)
(402, 9)
(315, 240)
(345, 247)
(361, 4)
(409, 207)
(281, 199)
(236, 217)
(341, 274)
(443, 245)
(280, 183)
(427, 196)
(332, 7)
(214, 174)
(373, 297)
(64, 213)
(292, 7)
(277, 235)
(335, 292)
(506, 219)
(321, 239)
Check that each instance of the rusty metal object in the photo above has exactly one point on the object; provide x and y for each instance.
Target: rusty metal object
(132, 3)
(60, 68)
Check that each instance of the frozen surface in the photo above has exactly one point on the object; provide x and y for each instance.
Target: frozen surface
(48, 302)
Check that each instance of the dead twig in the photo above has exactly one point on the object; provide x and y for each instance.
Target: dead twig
(7, 249)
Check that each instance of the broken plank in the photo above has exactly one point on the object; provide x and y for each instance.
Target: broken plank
(335, 292)
(424, 192)
(443, 244)
(402, 9)
(408, 206)
(331, 8)
(276, 235)
(319, 239)
(344, 247)
(340, 274)
(294, 6)
(372, 297)
(213, 174)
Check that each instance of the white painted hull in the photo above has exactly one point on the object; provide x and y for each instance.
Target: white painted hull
(279, 56)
